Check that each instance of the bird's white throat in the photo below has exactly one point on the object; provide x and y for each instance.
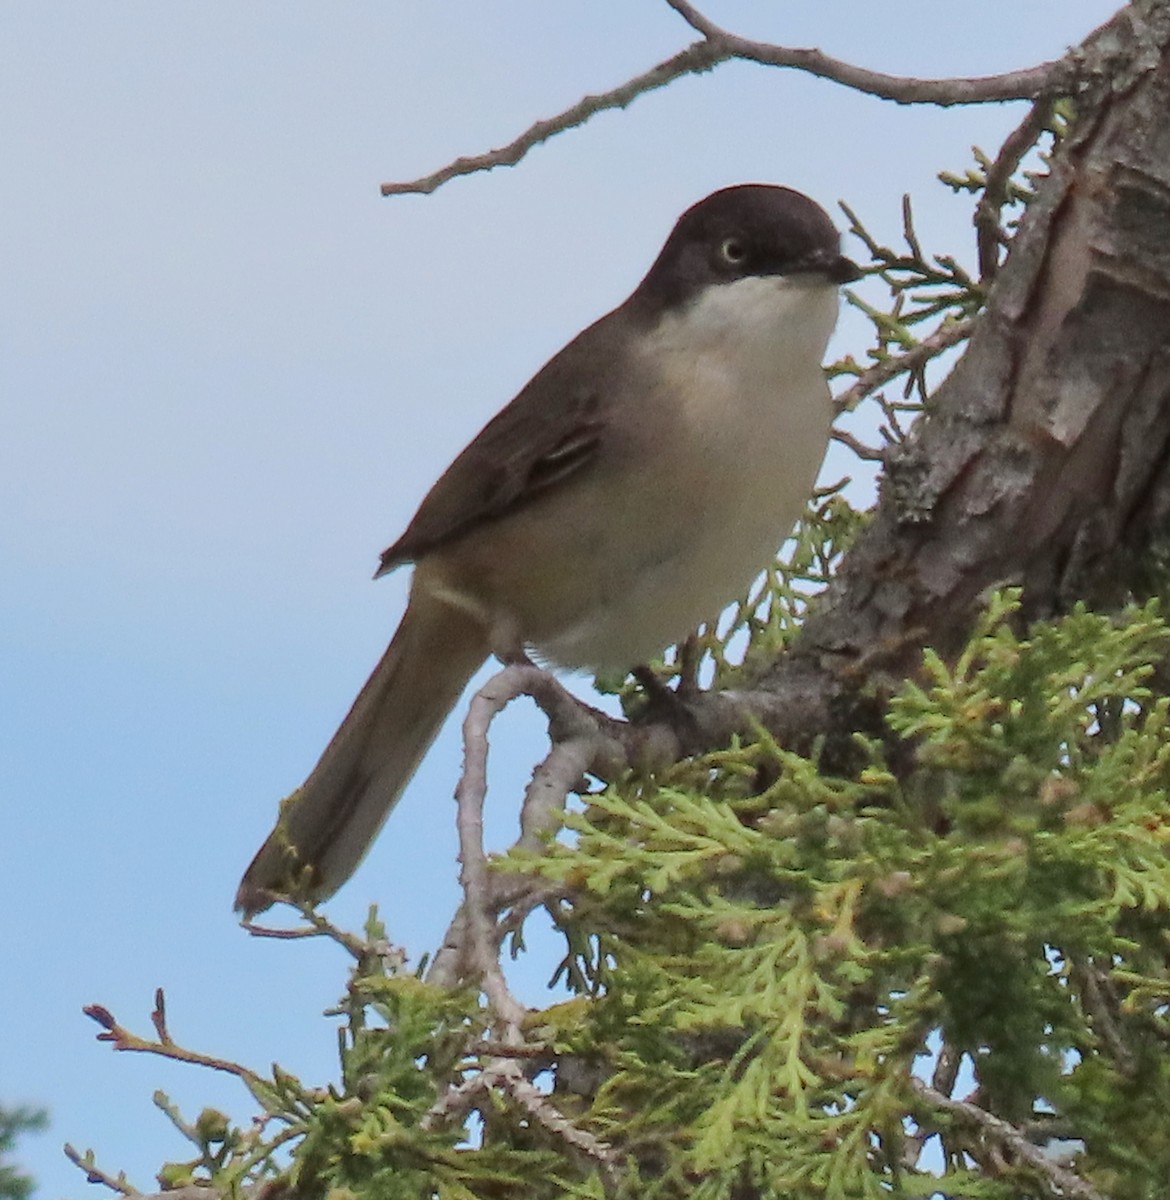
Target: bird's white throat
(767, 325)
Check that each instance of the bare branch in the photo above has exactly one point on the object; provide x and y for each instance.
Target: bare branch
(980, 89)
(583, 739)
(507, 1075)
(458, 1099)
(122, 1039)
(699, 57)
(547, 790)
(538, 1107)
(480, 921)
(472, 943)
(1007, 1137)
(717, 45)
(447, 967)
(320, 926)
(857, 446)
(116, 1183)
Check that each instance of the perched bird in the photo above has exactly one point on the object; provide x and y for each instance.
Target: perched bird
(632, 489)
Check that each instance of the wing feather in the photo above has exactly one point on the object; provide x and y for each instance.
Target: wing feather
(551, 431)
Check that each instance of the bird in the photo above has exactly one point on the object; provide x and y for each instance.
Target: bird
(631, 490)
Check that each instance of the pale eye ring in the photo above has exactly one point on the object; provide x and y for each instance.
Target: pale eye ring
(733, 251)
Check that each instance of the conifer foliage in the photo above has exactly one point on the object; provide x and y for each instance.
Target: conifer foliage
(779, 989)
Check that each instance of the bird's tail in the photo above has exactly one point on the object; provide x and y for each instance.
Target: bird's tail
(328, 824)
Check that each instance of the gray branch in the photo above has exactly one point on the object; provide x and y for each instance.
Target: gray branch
(1004, 1135)
(716, 45)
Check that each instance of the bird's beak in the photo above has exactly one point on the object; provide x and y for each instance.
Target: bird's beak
(843, 270)
(834, 267)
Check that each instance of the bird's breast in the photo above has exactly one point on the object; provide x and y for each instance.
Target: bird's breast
(719, 464)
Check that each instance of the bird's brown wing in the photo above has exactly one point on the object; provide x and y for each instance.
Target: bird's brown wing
(548, 433)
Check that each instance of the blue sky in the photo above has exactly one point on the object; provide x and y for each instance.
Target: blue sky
(229, 370)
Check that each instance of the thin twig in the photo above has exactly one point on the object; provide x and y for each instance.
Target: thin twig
(94, 1174)
(1030, 82)
(859, 448)
(948, 334)
(1006, 1136)
(989, 234)
(699, 57)
(580, 740)
(122, 1039)
(158, 1018)
(530, 1052)
(320, 926)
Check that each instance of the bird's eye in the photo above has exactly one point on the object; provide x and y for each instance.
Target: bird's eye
(733, 252)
